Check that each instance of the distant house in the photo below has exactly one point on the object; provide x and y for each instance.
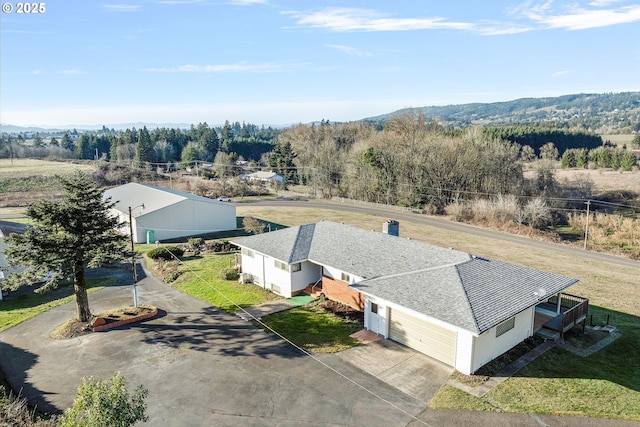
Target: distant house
(6, 228)
(159, 214)
(264, 177)
(460, 309)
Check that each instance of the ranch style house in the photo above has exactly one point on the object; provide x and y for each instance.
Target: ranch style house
(460, 309)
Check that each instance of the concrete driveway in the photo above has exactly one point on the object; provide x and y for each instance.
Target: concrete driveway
(202, 366)
(415, 374)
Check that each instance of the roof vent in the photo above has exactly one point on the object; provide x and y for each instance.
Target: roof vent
(391, 227)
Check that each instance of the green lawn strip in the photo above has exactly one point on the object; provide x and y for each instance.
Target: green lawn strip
(14, 311)
(313, 329)
(453, 398)
(201, 279)
(604, 385)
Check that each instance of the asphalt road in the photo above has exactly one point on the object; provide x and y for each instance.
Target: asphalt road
(390, 212)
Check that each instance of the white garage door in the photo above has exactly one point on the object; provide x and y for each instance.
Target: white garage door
(423, 336)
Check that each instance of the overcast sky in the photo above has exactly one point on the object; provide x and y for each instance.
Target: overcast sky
(281, 62)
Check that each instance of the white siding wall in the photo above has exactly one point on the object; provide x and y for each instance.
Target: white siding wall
(309, 273)
(487, 346)
(185, 218)
(464, 351)
(334, 273)
(279, 281)
(265, 274)
(253, 266)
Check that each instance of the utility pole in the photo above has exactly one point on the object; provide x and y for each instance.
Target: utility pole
(586, 229)
(134, 273)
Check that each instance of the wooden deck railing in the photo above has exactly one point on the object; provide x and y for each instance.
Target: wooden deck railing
(575, 315)
(574, 311)
(568, 300)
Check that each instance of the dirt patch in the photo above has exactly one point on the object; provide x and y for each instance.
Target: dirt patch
(74, 328)
(343, 311)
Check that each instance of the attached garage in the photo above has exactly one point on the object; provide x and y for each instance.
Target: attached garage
(423, 336)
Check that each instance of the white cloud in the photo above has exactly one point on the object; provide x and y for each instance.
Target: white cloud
(72, 71)
(351, 51)
(528, 16)
(577, 18)
(560, 73)
(241, 67)
(351, 19)
(603, 3)
(122, 7)
(583, 19)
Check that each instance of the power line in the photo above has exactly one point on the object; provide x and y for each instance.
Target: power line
(302, 350)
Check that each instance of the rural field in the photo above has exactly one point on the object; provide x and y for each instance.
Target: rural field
(24, 180)
(603, 179)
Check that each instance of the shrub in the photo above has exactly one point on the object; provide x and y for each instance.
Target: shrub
(106, 403)
(253, 225)
(165, 252)
(196, 244)
(230, 274)
(14, 411)
(219, 246)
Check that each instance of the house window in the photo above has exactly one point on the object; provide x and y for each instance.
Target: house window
(296, 267)
(248, 252)
(505, 326)
(345, 277)
(281, 265)
(374, 308)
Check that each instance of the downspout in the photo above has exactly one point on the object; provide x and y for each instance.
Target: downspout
(264, 274)
(559, 303)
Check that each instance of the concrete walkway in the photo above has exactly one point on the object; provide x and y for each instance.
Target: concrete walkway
(256, 312)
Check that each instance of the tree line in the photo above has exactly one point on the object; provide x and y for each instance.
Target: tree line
(418, 163)
(143, 146)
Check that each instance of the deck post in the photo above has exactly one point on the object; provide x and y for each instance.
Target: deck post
(559, 303)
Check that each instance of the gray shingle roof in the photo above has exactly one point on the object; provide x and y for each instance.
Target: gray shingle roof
(469, 292)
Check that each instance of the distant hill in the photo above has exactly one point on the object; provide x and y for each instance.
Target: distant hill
(6, 128)
(600, 113)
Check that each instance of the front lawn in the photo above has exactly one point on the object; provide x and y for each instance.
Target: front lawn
(603, 385)
(201, 277)
(314, 329)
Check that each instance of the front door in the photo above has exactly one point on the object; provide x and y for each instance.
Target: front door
(377, 318)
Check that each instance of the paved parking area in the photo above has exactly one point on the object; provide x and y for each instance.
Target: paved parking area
(202, 367)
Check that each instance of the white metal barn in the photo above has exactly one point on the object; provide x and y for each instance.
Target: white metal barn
(159, 213)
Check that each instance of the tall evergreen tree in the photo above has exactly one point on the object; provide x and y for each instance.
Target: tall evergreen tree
(281, 161)
(66, 237)
(66, 142)
(226, 136)
(144, 149)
